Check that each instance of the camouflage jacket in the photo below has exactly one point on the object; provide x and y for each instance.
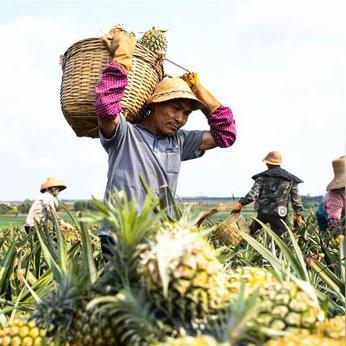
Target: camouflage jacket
(272, 191)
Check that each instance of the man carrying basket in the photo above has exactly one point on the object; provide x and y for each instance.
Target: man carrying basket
(155, 147)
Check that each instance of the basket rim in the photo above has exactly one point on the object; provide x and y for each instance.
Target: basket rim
(157, 58)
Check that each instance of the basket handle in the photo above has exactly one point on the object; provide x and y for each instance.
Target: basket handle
(174, 63)
(213, 211)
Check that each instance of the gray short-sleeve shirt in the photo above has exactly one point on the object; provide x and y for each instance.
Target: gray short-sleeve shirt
(133, 152)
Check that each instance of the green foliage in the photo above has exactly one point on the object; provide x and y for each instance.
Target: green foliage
(82, 205)
(24, 207)
(8, 209)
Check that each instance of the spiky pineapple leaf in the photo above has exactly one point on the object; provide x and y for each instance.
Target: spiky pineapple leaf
(132, 313)
(53, 266)
(6, 265)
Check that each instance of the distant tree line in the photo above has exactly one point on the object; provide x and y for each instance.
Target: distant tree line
(80, 205)
(83, 205)
(10, 209)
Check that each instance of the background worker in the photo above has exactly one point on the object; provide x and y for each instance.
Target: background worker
(155, 147)
(41, 211)
(334, 200)
(271, 192)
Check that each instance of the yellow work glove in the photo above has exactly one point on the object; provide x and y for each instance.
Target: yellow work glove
(236, 208)
(201, 93)
(121, 46)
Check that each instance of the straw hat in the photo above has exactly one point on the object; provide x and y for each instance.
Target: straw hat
(174, 88)
(339, 180)
(52, 182)
(273, 158)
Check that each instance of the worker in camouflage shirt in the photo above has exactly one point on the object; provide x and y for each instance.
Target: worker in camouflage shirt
(271, 192)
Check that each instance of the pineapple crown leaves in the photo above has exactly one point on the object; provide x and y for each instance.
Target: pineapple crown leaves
(294, 259)
(166, 205)
(133, 314)
(56, 311)
(59, 256)
(300, 275)
(235, 323)
(131, 226)
(239, 324)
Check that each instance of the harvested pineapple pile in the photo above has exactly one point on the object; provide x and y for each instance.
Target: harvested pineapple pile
(164, 285)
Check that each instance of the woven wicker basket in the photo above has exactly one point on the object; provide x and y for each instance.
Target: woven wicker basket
(228, 231)
(82, 65)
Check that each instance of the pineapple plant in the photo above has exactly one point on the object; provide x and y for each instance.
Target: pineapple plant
(182, 275)
(304, 340)
(91, 327)
(283, 306)
(333, 328)
(120, 313)
(155, 40)
(61, 311)
(23, 333)
(191, 341)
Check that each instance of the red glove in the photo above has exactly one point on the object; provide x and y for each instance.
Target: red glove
(236, 208)
(298, 220)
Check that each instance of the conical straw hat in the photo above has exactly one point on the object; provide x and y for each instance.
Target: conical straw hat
(53, 182)
(174, 88)
(339, 180)
(273, 158)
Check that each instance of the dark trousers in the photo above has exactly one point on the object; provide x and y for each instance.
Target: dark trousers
(274, 222)
(28, 229)
(107, 242)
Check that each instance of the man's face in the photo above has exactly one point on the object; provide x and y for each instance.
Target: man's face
(55, 191)
(170, 116)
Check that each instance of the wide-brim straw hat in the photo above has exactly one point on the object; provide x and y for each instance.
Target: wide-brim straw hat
(53, 182)
(339, 180)
(174, 88)
(273, 158)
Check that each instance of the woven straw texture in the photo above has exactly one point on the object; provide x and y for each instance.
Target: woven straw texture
(82, 66)
(228, 231)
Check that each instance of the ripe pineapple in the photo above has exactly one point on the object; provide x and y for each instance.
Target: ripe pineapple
(91, 328)
(304, 340)
(63, 312)
(282, 306)
(192, 341)
(155, 40)
(23, 333)
(182, 274)
(333, 328)
(252, 277)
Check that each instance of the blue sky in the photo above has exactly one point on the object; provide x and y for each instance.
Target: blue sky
(279, 65)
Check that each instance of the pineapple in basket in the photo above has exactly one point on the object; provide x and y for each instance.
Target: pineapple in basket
(155, 40)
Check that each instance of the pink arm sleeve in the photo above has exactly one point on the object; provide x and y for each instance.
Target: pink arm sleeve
(222, 127)
(109, 91)
(334, 204)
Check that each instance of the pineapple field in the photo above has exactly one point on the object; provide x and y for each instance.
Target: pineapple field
(169, 282)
